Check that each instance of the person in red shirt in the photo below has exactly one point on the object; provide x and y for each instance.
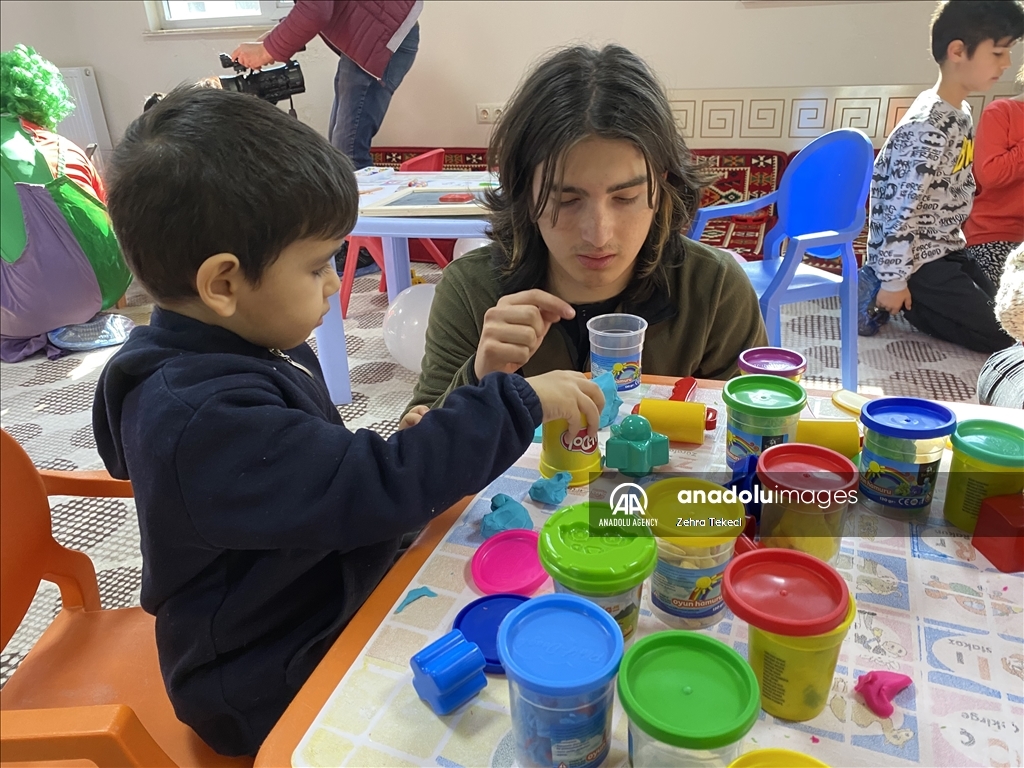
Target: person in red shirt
(996, 224)
(376, 43)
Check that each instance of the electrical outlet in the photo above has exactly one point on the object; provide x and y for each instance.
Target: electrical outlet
(489, 113)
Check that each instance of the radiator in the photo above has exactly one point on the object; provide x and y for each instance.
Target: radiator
(87, 124)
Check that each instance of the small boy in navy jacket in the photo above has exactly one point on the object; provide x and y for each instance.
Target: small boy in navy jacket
(266, 523)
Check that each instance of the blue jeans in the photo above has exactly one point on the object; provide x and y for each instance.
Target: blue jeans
(361, 101)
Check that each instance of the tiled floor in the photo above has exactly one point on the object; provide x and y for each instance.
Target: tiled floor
(46, 405)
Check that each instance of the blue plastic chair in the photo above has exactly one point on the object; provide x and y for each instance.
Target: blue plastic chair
(821, 204)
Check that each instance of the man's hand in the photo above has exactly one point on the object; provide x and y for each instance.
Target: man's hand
(893, 301)
(412, 418)
(569, 395)
(514, 328)
(252, 55)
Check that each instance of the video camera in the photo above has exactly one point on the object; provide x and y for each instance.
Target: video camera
(271, 84)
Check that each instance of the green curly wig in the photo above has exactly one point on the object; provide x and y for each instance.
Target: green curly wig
(32, 87)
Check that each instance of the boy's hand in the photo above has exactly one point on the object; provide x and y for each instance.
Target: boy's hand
(412, 418)
(514, 328)
(893, 301)
(567, 395)
(252, 55)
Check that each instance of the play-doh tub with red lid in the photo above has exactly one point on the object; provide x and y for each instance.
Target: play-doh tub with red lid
(810, 490)
(799, 610)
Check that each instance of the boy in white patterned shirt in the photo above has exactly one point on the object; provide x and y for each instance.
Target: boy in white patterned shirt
(922, 188)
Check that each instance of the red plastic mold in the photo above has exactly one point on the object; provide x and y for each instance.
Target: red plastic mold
(999, 535)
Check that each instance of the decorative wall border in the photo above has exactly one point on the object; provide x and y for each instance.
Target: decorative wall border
(786, 119)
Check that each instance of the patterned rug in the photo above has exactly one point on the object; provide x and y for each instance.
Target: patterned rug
(744, 175)
(460, 159)
(46, 406)
(740, 175)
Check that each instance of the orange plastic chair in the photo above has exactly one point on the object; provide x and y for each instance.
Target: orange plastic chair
(90, 689)
(431, 161)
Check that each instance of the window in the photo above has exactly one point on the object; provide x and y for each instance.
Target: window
(197, 14)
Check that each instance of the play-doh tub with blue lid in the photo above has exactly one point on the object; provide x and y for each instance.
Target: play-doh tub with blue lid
(561, 654)
(903, 442)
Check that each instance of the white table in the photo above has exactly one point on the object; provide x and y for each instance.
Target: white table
(394, 234)
(930, 606)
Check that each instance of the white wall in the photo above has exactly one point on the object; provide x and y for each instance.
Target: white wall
(475, 52)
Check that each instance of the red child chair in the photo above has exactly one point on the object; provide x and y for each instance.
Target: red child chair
(431, 161)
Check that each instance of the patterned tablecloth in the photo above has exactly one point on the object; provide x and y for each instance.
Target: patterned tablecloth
(929, 606)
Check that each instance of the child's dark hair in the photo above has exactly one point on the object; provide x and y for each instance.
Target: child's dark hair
(974, 22)
(206, 171)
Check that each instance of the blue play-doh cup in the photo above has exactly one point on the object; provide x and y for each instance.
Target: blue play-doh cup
(561, 654)
(903, 442)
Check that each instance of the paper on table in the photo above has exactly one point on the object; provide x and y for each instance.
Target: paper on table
(374, 173)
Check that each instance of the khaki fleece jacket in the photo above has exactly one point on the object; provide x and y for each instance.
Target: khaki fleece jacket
(697, 328)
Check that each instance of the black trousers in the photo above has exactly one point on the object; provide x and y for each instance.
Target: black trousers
(951, 299)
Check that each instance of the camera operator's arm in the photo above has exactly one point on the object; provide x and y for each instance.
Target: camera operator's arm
(304, 22)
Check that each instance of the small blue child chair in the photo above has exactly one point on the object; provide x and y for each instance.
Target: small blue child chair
(821, 205)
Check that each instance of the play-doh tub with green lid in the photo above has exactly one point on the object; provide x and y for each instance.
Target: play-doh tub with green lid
(603, 563)
(988, 460)
(690, 700)
(762, 411)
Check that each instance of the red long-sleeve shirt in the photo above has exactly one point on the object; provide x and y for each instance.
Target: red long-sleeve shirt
(998, 212)
(367, 31)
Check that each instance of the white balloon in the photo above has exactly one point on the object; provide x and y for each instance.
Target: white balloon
(405, 325)
(466, 244)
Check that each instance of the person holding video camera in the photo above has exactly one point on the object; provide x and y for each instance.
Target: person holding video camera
(376, 43)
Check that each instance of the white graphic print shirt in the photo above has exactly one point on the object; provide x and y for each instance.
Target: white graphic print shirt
(922, 189)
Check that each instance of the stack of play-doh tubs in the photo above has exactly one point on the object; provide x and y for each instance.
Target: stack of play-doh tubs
(606, 565)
